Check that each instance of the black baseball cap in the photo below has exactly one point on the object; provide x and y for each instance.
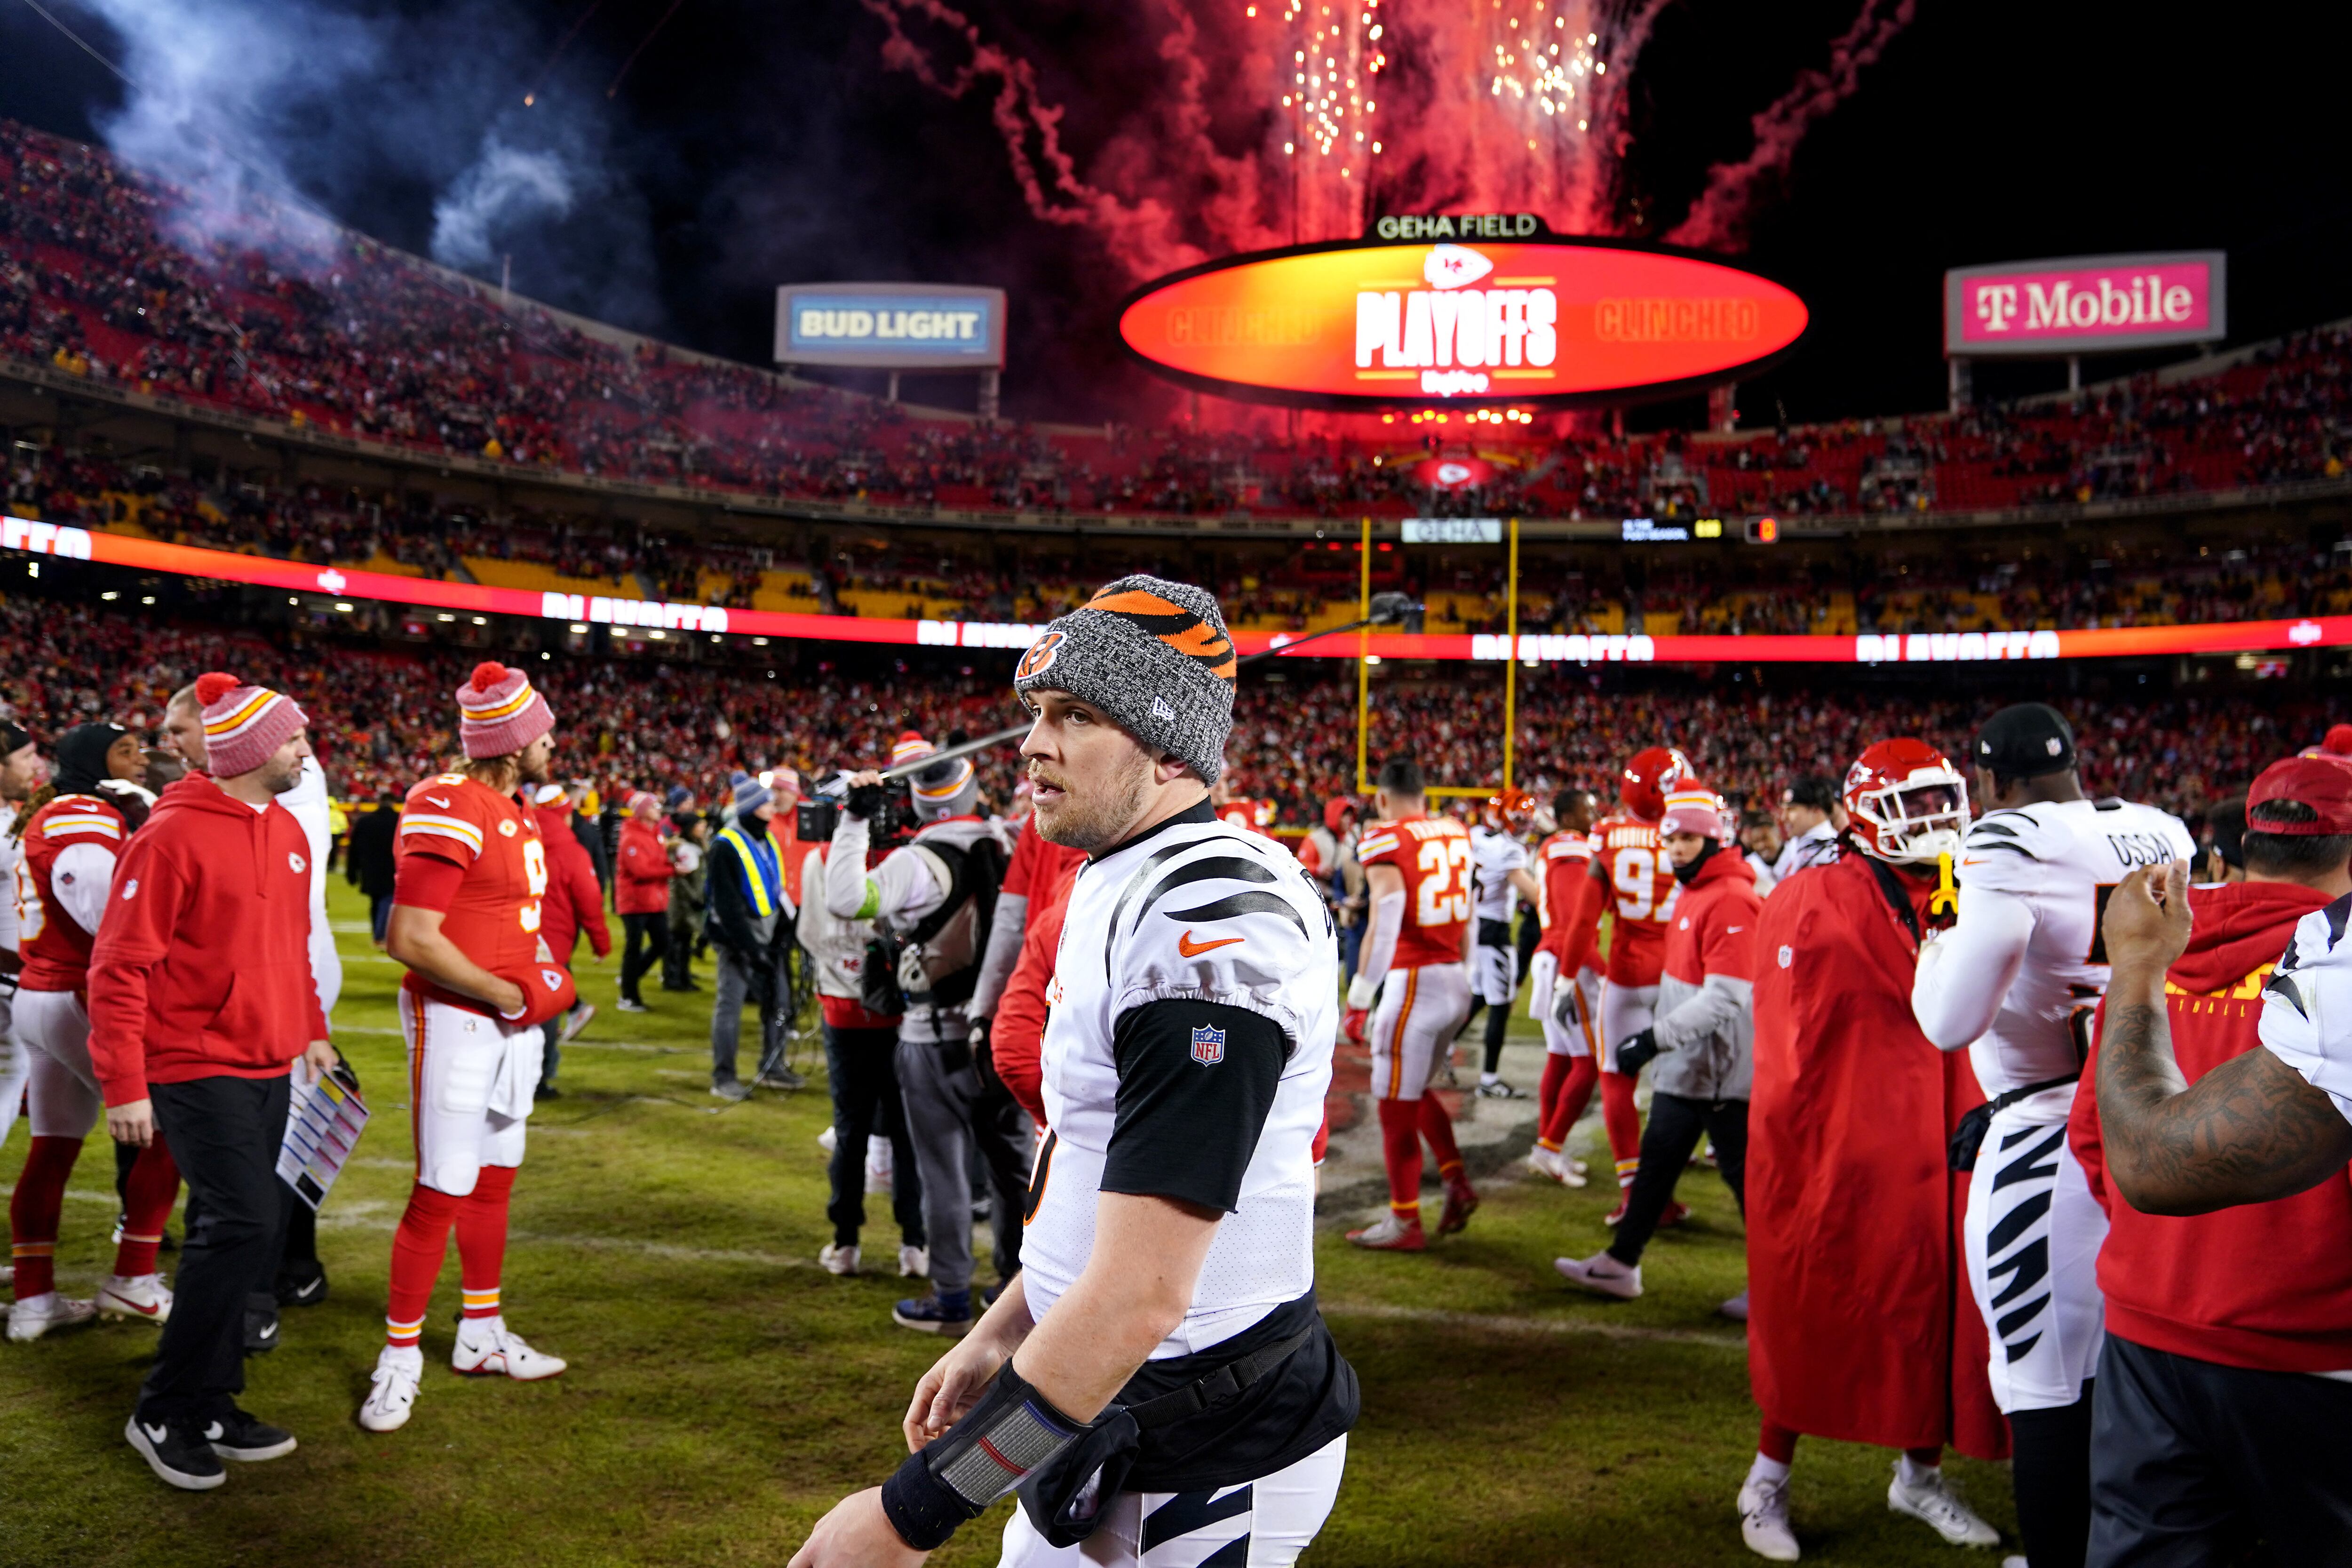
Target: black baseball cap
(2025, 741)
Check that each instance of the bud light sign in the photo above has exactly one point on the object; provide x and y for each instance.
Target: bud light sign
(2086, 304)
(890, 326)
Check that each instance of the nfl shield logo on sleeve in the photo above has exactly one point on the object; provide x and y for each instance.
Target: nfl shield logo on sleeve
(1208, 1046)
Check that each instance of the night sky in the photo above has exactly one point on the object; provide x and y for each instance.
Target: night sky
(751, 144)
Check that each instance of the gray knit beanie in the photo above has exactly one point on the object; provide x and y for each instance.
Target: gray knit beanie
(1153, 654)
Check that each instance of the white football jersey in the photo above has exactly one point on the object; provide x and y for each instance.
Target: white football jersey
(1494, 856)
(2059, 861)
(12, 850)
(1193, 910)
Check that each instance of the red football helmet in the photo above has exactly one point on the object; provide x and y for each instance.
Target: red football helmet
(1908, 804)
(1648, 778)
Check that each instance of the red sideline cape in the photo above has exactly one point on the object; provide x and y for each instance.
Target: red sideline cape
(1861, 1325)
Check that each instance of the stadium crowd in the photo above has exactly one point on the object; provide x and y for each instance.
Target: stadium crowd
(654, 724)
(332, 330)
(2151, 575)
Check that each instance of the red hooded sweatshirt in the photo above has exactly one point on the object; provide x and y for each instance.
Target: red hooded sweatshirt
(574, 902)
(202, 965)
(641, 870)
(2265, 1286)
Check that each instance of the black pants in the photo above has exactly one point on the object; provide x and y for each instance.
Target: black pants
(1667, 1142)
(224, 1134)
(2051, 1470)
(648, 940)
(2192, 1463)
(862, 1065)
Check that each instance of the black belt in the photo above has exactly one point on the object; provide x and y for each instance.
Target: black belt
(1226, 1383)
(1493, 933)
(1969, 1136)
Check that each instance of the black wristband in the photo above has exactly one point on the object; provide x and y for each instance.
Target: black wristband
(1010, 1432)
(924, 1509)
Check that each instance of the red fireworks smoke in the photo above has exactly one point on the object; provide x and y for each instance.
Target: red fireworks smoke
(1281, 120)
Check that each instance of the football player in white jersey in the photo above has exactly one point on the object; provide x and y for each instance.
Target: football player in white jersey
(2015, 982)
(1164, 1316)
(1499, 862)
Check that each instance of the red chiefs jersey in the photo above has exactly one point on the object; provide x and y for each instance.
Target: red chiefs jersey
(494, 919)
(1628, 857)
(52, 944)
(1433, 855)
(1569, 910)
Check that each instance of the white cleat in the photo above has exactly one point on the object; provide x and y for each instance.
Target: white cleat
(1602, 1274)
(30, 1319)
(842, 1261)
(827, 1139)
(398, 1371)
(914, 1262)
(1556, 1166)
(1735, 1308)
(146, 1297)
(1935, 1504)
(1764, 1521)
(485, 1347)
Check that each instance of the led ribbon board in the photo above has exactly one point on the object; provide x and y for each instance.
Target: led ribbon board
(22, 538)
(1374, 325)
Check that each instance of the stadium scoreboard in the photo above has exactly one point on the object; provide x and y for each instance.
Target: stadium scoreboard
(1482, 309)
(890, 326)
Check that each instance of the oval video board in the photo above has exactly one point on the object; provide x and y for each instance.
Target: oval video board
(1368, 325)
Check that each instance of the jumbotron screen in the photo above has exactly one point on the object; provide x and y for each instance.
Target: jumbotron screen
(1370, 324)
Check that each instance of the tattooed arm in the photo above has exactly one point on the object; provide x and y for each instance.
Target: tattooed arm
(2251, 1130)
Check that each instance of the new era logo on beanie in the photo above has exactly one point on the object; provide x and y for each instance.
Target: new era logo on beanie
(244, 725)
(1154, 656)
(499, 713)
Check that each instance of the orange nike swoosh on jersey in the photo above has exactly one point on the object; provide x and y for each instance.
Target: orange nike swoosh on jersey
(1190, 949)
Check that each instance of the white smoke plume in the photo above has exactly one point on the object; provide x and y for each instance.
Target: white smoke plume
(269, 115)
(505, 187)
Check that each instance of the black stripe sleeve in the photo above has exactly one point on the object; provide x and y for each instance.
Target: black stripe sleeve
(1195, 1082)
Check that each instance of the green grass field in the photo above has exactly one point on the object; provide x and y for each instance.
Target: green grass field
(724, 1390)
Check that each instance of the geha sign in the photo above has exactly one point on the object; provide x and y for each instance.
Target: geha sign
(1368, 324)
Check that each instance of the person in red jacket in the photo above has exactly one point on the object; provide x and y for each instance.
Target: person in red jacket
(2224, 1387)
(641, 896)
(1563, 990)
(574, 904)
(200, 1000)
(1860, 1323)
(71, 835)
(1017, 1038)
(1702, 1040)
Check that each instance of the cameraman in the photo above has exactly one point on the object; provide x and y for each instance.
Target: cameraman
(748, 907)
(937, 895)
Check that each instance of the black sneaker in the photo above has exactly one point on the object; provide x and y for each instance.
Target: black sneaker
(1499, 1089)
(302, 1283)
(260, 1323)
(241, 1436)
(178, 1452)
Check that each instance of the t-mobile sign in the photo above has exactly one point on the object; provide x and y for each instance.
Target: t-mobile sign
(2086, 304)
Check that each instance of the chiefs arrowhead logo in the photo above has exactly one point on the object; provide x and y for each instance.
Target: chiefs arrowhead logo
(1452, 266)
(297, 863)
